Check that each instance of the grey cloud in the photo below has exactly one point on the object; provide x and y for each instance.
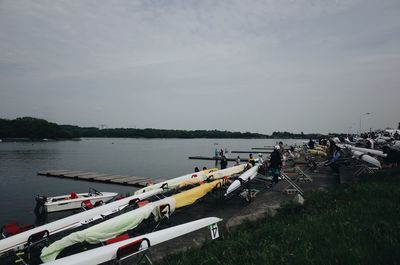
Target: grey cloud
(237, 65)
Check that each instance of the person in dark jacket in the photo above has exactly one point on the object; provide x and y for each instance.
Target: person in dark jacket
(311, 144)
(224, 162)
(275, 164)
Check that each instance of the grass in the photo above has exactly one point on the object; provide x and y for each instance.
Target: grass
(348, 224)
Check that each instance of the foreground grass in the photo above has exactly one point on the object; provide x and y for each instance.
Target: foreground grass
(357, 224)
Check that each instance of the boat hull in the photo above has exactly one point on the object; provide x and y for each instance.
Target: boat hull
(70, 204)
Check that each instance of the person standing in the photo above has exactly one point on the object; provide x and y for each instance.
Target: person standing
(281, 148)
(260, 159)
(311, 144)
(334, 161)
(275, 164)
(224, 162)
(396, 135)
(251, 157)
(237, 161)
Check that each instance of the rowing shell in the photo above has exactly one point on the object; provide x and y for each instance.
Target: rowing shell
(249, 174)
(195, 178)
(366, 158)
(175, 182)
(366, 150)
(109, 252)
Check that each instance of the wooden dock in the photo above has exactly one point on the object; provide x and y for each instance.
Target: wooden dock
(251, 152)
(105, 178)
(262, 148)
(210, 158)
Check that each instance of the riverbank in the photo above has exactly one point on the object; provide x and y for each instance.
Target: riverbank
(343, 224)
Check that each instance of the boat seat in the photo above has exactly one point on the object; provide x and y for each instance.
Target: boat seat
(142, 203)
(117, 239)
(13, 228)
(87, 204)
(73, 195)
(130, 249)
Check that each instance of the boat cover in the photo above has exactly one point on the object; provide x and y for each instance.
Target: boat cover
(189, 197)
(107, 229)
(316, 152)
(227, 172)
(173, 183)
(120, 224)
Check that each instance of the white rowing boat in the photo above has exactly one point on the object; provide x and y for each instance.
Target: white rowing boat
(248, 175)
(121, 224)
(193, 178)
(76, 220)
(110, 228)
(366, 150)
(109, 252)
(366, 158)
(74, 200)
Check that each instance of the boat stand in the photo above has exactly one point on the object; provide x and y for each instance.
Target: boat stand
(245, 185)
(219, 191)
(364, 170)
(133, 249)
(303, 177)
(34, 240)
(292, 187)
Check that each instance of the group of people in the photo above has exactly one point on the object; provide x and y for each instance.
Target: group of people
(274, 165)
(196, 169)
(221, 152)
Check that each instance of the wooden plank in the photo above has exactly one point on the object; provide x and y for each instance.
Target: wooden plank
(67, 174)
(123, 180)
(93, 176)
(159, 180)
(250, 152)
(88, 176)
(50, 172)
(262, 148)
(107, 178)
(144, 183)
(209, 158)
(138, 180)
(74, 175)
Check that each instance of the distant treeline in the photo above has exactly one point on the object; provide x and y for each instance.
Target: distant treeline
(288, 135)
(33, 128)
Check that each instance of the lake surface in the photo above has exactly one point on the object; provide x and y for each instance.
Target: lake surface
(155, 158)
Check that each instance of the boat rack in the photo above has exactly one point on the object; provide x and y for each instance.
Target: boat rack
(302, 176)
(244, 185)
(23, 256)
(292, 187)
(135, 249)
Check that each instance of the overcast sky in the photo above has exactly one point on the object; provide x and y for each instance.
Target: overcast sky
(259, 66)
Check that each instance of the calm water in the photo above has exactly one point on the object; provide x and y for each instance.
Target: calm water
(156, 158)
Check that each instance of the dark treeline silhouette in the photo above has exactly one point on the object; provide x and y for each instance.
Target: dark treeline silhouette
(158, 133)
(33, 128)
(288, 135)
